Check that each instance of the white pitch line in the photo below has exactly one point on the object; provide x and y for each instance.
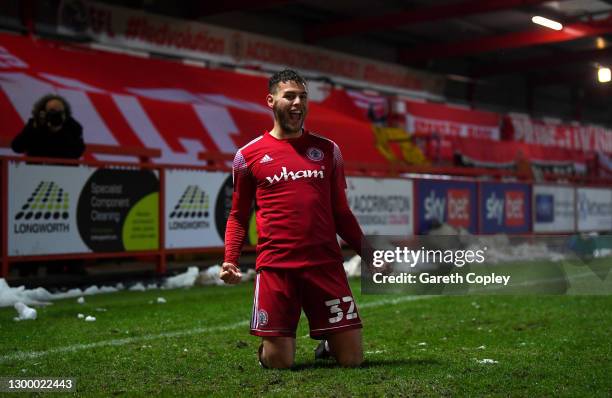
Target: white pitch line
(394, 301)
(117, 342)
(23, 355)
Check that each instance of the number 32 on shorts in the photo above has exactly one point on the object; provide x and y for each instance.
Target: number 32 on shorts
(334, 308)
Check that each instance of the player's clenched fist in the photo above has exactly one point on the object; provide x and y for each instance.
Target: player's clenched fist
(230, 273)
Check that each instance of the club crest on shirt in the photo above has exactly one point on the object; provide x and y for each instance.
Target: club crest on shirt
(314, 154)
(262, 318)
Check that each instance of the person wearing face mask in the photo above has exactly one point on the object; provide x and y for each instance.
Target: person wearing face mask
(51, 132)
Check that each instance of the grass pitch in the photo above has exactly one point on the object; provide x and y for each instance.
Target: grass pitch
(198, 344)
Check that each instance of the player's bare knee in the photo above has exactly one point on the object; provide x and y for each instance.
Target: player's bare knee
(350, 360)
(278, 361)
(278, 352)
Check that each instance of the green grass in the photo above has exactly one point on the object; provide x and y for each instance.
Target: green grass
(544, 345)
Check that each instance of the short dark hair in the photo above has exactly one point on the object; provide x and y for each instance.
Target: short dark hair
(287, 75)
(42, 103)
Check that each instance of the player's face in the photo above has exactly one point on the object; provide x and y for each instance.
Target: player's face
(290, 105)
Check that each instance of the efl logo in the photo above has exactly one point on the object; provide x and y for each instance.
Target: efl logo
(458, 210)
(515, 208)
(545, 208)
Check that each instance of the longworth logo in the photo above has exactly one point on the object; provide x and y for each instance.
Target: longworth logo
(48, 201)
(45, 211)
(191, 211)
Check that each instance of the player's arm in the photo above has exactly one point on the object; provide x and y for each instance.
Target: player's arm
(238, 220)
(346, 224)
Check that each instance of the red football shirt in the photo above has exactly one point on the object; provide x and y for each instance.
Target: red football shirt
(299, 189)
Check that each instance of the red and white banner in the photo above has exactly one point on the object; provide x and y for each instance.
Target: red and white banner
(604, 165)
(444, 120)
(522, 128)
(180, 109)
(140, 30)
(373, 106)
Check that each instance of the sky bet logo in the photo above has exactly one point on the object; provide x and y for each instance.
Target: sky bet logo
(44, 211)
(456, 207)
(191, 211)
(508, 210)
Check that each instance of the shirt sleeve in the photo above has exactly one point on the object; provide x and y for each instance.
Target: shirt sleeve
(346, 224)
(23, 140)
(238, 220)
(74, 146)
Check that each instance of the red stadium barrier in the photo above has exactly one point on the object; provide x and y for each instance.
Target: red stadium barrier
(218, 162)
(146, 155)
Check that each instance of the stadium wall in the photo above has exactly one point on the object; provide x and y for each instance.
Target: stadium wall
(91, 209)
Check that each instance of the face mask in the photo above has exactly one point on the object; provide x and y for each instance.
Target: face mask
(55, 118)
